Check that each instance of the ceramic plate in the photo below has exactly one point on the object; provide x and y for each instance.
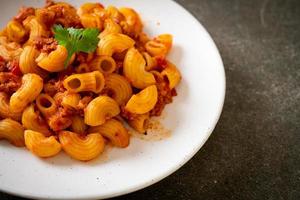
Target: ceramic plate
(191, 118)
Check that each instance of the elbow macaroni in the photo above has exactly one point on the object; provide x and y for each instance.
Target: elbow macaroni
(118, 88)
(140, 122)
(114, 131)
(92, 81)
(46, 105)
(78, 125)
(32, 85)
(27, 62)
(12, 131)
(172, 74)
(104, 64)
(142, 102)
(40, 145)
(82, 148)
(55, 61)
(114, 43)
(32, 121)
(160, 46)
(5, 110)
(110, 27)
(99, 110)
(134, 70)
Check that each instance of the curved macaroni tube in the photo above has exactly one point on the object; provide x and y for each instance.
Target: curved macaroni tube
(9, 50)
(27, 61)
(114, 131)
(113, 43)
(151, 62)
(55, 61)
(140, 122)
(99, 110)
(172, 74)
(32, 85)
(70, 100)
(82, 68)
(132, 25)
(15, 31)
(46, 105)
(104, 64)
(92, 81)
(12, 131)
(110, 27)
(32, 121)
(160, 46)
(88, 8)
(82, 148)
(36, 28)
(78, 125)
(40, 145)
(143, 102)
(118, 88)
(91, 21)
(5, 110)
(134, 70)
(113, 13)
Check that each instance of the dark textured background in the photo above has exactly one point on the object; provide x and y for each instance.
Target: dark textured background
(254, 152)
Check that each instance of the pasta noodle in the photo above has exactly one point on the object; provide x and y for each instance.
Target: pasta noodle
(104, 64)
(82, 148)
(114, 131)
(142, 102)
(78, 125)
(40, 145)
(110, 26)
(118, 88)
(15, 31)
(46, 105)
(140, 122)
(70, 77)
(32, 121)
(134, 70)
(55, 61)
(5, 110)
(99, 110)
(28, 63)
(32, 85)
(160, 46)
(113, 43)
(12, 131)
(172, 74)
(93, 81)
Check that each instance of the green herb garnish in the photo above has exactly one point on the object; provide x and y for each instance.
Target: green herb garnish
(76, 40)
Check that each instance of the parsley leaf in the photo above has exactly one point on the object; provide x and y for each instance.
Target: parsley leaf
(76, 40)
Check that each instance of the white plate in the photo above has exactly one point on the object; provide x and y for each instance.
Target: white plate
(191, 117)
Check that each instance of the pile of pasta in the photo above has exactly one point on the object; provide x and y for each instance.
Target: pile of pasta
(80, 109)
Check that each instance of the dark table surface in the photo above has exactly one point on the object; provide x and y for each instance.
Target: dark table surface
(254, 152)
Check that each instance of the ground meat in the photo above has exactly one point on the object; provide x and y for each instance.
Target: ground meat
(165, 95)
(45, 45)
(65, 15)
(3, 67)
(60, 120)
(54, 86)
(24, 12)
(84, 102)
(161, 63)
(127, 115)
(9, 83)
